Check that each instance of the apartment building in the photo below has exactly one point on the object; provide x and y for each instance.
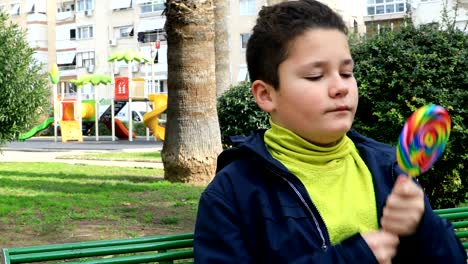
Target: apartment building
(80, 35)
(391, 13)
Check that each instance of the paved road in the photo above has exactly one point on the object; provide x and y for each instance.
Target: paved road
(45, 149)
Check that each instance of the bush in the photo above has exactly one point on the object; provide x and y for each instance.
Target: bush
(398, 72)
(238, 113)
(24, 92)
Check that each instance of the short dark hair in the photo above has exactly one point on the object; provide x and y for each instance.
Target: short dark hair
(277, 26)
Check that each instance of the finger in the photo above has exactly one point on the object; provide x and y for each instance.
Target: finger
(393, 227)
(390, 239)
(400, 223)
(388, 246)
(395, 201)
(396, 215)
(402, 178)
(406, 187)
(404, 203)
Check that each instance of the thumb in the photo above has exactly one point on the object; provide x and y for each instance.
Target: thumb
(401, 184)
(402, 178)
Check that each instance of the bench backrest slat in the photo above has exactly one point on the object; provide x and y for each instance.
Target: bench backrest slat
(90, 244)
(145, 258)
(460, 224)
(459, 218)
(451, 210)
(462, 234)
(99, 251)
(459, 215)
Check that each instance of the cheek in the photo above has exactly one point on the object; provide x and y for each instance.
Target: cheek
(354, 89)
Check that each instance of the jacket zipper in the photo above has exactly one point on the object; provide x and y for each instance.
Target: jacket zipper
(324, 243)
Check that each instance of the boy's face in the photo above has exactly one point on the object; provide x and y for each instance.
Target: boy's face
(317, 96)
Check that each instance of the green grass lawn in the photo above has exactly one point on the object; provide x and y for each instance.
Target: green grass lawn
(154, 156)
(42, 203)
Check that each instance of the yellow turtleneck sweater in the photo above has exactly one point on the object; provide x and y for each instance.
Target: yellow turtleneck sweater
(336, 178)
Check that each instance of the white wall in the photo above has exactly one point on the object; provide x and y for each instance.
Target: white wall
(63, 36)
(427, 12)
(37, 35)
(41, 57)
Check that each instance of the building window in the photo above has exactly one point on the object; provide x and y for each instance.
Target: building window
(152, 6)
(121, 4)
(85, 32)
(382, 7)
(66, 61)
(123, 32)
(15, 9)
(159, 86)
(242, 74)
(244, 39)
(30, 9)
(247, 7)
(152, 36)
(84, 5)
(85, 59)
(73, 34)
(66, 7)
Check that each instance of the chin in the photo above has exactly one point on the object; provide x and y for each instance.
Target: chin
(340, 131)
(336, 135)
(342, 127)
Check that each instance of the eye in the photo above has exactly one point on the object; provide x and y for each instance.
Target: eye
(314, 78)
(346, 75)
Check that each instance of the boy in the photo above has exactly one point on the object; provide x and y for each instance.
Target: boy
(309, 189)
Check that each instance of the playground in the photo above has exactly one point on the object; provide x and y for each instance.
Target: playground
(76, 113)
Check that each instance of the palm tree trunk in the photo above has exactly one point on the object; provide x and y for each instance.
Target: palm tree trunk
(223, 73)
(193, 138)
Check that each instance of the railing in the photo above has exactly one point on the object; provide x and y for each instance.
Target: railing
(67, 68)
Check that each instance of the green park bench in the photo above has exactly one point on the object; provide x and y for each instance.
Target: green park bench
(459, 218)
(176, 248)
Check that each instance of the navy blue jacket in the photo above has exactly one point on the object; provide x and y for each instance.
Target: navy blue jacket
(256, 211)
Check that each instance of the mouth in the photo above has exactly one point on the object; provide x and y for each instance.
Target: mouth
(342, 108)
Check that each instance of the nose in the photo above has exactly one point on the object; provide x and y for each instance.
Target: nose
(338, 86)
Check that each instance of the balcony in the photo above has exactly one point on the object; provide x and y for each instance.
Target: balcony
(65, 16)
(67, 70)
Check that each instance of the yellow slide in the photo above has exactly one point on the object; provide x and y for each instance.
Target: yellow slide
(150, 119)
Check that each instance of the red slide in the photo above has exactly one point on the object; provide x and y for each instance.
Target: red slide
(121, 132)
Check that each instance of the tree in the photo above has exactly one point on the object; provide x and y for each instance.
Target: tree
(24, 91)
(239, 114)
(193, 139)
(401, 71)
(223, 75)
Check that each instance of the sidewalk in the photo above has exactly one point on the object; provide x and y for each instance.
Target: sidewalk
(47, 150)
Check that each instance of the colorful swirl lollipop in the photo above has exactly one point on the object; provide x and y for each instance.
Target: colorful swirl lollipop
(423, 138)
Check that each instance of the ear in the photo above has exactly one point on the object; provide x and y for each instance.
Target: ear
(264, 95)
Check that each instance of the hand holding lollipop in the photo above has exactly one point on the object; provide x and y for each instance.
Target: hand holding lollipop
(423, 139)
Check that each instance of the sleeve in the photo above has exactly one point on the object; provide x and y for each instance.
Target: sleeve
(218, 239)
(434, 242)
